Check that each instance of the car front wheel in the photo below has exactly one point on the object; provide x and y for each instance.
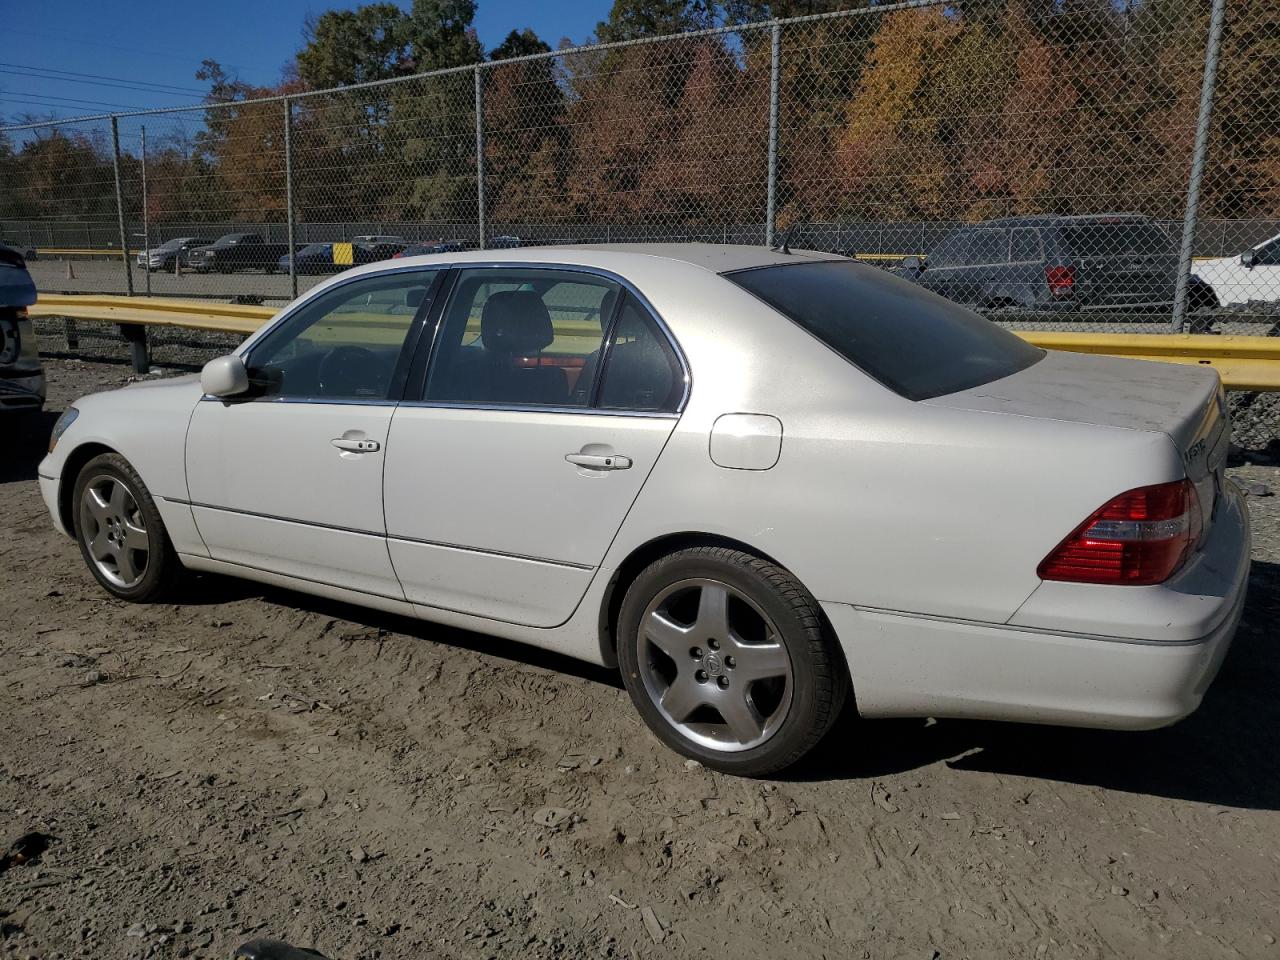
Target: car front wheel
(120, 533)
(727, 659)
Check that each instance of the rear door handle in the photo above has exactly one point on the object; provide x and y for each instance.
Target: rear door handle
(356, 446)
(596, 461)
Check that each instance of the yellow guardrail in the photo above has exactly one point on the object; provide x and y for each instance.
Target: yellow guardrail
(1244, 363)
(154, 311)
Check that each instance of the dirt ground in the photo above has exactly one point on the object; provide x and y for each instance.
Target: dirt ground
(256, 762)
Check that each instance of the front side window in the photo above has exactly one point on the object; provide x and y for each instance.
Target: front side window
(521, 336)
(914, 342)
(947, 253)
(344, 344)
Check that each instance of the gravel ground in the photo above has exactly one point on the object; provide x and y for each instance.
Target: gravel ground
(257, 762)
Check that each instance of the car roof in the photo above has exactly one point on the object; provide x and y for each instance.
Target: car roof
(1051, 220)
(717, 258)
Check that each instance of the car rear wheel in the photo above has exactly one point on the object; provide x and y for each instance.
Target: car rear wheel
(728, 661)
(120, 533)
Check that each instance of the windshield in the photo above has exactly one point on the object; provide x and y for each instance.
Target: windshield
(312, 249)
(912, 341)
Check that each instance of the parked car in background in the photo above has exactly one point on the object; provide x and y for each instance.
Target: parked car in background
(22, 385)
(311, 259)
(371, 249)
(1113, 262)
(505, 242)
(237, 251)
(1252, 277)
(753, 480)
(431, 246)
(28, 252)
(164, 256)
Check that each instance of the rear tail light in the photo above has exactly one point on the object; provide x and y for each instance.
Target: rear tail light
(1140, 537)
(1061, 280)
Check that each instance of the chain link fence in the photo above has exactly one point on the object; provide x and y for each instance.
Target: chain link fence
(1111, 165)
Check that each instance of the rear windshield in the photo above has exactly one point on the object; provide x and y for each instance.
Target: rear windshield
(1104, 239)
(912, 341)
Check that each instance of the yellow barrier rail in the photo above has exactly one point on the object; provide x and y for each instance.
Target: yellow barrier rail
(1244, 363)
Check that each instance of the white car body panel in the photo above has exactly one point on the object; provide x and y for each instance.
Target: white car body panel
(321, 516)
(478, 497)
(1234, 283)
(918, 525)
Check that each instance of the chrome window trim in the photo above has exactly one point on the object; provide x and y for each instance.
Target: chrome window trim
(541, 408)
(330, 401)
(243, 350)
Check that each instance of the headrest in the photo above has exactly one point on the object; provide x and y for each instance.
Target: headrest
(515, 323)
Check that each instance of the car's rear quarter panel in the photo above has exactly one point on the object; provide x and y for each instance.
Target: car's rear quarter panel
(875, 500)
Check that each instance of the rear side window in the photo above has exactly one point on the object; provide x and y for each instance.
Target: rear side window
(1025, 246)
(912, 341)
(1103, 239)
(641, 371)
(987, 246)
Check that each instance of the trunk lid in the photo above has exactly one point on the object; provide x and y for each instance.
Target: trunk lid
(1182, 401)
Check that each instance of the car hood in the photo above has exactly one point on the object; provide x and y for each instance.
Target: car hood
(1179, 400)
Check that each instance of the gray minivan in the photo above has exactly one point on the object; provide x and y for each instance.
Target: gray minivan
(1116, 262)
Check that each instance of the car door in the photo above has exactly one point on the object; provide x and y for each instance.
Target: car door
(510, 470)
(289, 479)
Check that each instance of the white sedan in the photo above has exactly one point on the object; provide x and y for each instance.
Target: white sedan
(762, 484)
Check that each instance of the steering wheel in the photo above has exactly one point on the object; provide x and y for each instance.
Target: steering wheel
(349, 371)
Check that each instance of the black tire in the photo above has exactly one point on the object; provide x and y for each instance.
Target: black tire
(819, 680)
(162, 568)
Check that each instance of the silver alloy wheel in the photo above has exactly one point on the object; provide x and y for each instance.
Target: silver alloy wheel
(714, 665)
(114, 531)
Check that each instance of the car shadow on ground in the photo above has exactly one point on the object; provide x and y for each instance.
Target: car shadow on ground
(28, 443)
(1226, 753)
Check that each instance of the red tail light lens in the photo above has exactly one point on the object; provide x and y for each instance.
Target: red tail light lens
(1061, 280)
(1140, 537)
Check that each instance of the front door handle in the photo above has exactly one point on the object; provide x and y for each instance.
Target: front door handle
(356, 446)
(597, 461)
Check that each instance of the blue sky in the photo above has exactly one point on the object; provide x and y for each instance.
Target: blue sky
(161, 42)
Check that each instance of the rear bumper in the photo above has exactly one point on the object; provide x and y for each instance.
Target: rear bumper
(903, 665)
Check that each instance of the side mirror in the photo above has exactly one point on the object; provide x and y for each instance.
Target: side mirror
(914, 264)
(1249, 259)
(224, 377)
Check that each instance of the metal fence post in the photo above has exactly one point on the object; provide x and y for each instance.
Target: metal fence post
(1198, 154)
(480, 216)
(124, 236)
(775, 46)
(146, 217)
(288, 196)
